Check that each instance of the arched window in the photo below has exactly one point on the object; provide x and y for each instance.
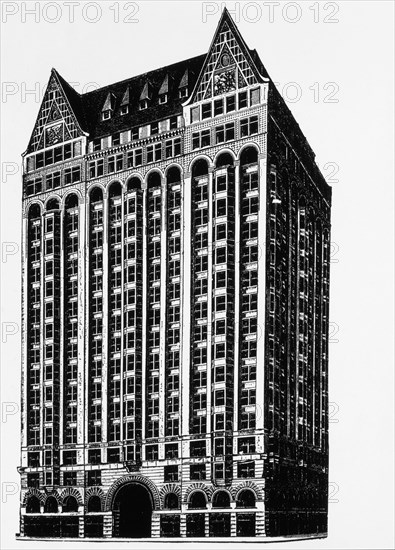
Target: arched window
(51, 505)
(33, 505)
(249, 155)
(200, 168)
(171, 501)
(34, 211)
(173, 175)
(94, 504)
(70, 504)
(96, 194)
(52, 204)
(154, 180)
(134, 184)
(246, 499)
(223, 160)
(115, 189)
(197, 500)
(221, 499)
(71, 201)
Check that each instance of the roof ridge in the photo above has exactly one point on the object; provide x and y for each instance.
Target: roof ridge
(126, 80)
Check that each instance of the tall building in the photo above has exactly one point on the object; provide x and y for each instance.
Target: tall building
(176, 236)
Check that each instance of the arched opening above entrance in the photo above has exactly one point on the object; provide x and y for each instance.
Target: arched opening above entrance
(132, 510)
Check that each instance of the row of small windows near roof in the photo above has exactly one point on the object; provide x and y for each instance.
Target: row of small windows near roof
(57, 154)
(136, 133)
(146, 98)
(225, 105)
(215, 108)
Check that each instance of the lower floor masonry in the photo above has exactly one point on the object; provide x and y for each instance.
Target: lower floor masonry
(134, 507)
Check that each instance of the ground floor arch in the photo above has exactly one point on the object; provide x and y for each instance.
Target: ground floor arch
(132, 511)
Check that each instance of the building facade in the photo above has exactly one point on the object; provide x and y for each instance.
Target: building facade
(176, 240)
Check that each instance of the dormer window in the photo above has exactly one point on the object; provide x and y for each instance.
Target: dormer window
(183, 86)
(125, 102)
(145, 96)
(108, 107)
(164, 90)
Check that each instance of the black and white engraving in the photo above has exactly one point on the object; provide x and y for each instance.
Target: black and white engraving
(176, 252)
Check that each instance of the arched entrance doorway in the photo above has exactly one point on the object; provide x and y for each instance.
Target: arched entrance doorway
(132, 510)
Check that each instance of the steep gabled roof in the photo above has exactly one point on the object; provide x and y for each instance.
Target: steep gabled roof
(227, 39)
(74, 99)
(93, 101)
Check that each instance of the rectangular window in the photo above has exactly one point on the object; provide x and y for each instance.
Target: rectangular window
(171, 473)
(138, 157)
(33, 459)
(33, 480)
(130, 431)
(119, 162)
(197, 448)
(246, 445)
(197, 471)
(219, 446)
(249, 126)
(246, 469)
(219, 398)
(206, 110)
(219, 422)
(220, 255)
(69, 478)
(94, 456)
(171, 450)
(173, 122)
(230, 103)
(69, 458)
(243, 100)
(219, 470)
(113, 455)
(218, 107)
(225, 132)
(111, 165)
(195, 114)
(72, 175)
(151, 452)
(221, 207)
(93, 478)
(201, 139)
(255, 96)
(205, 138)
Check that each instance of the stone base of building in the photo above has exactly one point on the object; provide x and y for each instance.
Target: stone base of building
(165, 525)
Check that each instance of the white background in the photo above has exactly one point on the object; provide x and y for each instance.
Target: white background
(356, 133)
